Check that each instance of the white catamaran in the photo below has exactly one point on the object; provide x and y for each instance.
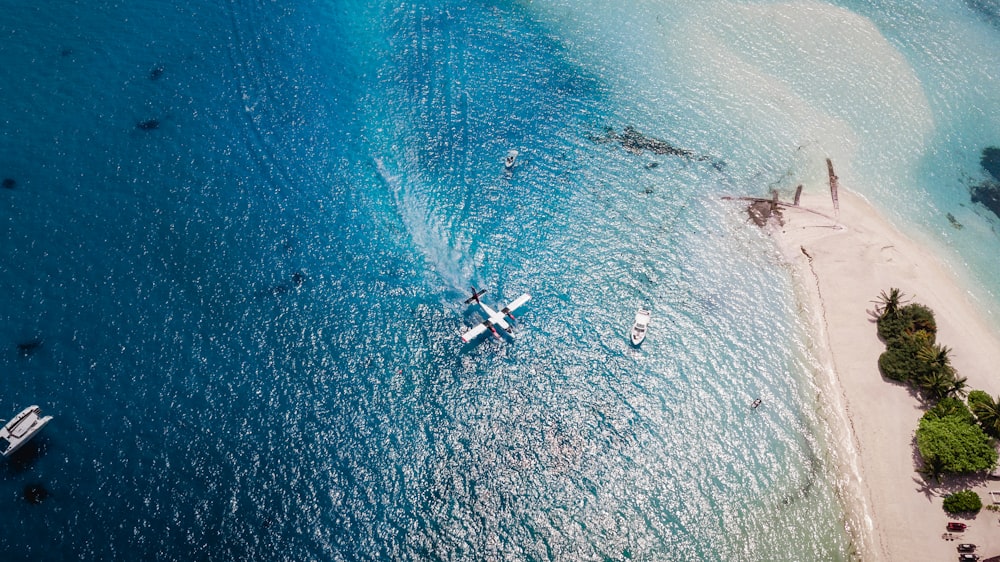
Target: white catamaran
(21, 429)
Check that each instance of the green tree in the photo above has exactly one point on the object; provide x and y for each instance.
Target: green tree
(951, 407)
(963, 502)
(960, 447)
(899, 361)
(888, 303)
(909, 319)
(936, 356)
(938, 384)
(933, 468)
(987, 411)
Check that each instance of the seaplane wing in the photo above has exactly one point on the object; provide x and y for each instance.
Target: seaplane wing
(476, 331)
(518, 302)
(494, 319)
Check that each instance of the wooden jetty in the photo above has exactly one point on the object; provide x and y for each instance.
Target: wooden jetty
(762, 209)
(833, 186)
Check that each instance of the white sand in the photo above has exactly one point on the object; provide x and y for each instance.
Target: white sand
(852, 260)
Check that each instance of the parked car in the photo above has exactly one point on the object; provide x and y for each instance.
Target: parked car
(966, 557)
(956, 526)
(966, 547)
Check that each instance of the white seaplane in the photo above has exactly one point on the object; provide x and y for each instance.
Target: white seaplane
(493, 318)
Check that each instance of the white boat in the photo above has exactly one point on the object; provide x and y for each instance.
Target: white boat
(511, 158)
(21, 429)
(639, 326)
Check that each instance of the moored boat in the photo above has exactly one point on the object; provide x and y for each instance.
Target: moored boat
(18, 431)
(640, 326)
(511, 158)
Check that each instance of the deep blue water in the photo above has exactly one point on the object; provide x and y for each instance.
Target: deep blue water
(245, 314)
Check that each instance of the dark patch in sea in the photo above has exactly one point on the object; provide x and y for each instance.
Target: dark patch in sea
(148, 125)
(954, 222)
(987, 193)
(298, 278)
(637, 143)
(156, 73)
(9, 183)
(28, 348)
(990, 161)
(988, 9)
(35, 493)
(65, 52)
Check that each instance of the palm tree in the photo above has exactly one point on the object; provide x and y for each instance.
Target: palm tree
(933, 468)
(988, 414)
(936, 375)
(938, 383)
(936, 356)
(888, 304)
(958, 387)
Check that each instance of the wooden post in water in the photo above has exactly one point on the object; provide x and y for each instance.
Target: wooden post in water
(833, 187)
(798, 193)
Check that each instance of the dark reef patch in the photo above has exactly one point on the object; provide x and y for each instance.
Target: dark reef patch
(9, 183)
(35, 493)
(989, 10)
(149, 125)
(637, 143)
(156, 73)
(987, 193)
(990, 161)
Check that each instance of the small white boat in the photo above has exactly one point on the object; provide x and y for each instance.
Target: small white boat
(21, 429)
(511, 158)
(639, 326)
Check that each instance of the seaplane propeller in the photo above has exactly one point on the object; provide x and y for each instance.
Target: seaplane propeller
(475, 296)
(493, 318)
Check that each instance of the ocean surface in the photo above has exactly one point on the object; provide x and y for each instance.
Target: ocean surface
(237, 238)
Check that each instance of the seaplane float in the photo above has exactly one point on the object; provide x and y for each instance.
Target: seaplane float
(494, 318)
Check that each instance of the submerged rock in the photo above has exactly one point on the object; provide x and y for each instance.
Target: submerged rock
(149, 125)
(35, 494)
(156, 73)
(9, 183)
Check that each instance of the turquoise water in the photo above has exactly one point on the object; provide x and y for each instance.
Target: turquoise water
(245, 313)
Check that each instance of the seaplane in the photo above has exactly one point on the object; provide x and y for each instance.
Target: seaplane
(494, 318)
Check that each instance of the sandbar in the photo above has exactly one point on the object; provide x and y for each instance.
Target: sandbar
(841, 260)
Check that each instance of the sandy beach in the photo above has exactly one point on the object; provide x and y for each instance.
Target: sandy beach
(841, 262)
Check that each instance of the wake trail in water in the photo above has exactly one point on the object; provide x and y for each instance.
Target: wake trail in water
(444, 252)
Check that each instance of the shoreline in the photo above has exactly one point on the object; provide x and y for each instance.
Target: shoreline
(840, 263)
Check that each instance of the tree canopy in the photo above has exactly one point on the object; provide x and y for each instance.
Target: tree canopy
(958, 446)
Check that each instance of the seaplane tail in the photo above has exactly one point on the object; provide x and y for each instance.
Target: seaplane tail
(494, 318)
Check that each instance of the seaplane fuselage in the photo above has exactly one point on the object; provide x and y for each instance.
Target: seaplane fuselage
(494, 318)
